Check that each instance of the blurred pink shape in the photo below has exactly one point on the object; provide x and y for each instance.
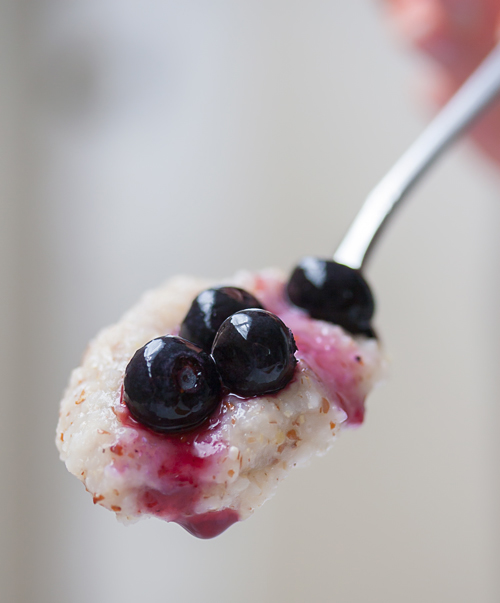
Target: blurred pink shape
(456, 35)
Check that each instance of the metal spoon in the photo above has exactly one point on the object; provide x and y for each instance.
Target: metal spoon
(470, 101)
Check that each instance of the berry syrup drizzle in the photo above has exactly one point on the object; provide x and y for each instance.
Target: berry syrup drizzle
(177, 468)
(332, 355)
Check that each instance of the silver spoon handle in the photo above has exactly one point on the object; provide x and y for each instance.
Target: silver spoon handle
(469, 102)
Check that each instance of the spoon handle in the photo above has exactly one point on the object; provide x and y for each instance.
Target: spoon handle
(462, 109)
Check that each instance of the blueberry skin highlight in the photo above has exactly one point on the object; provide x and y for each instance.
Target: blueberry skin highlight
(210, 309)
(254, 353)
(171, 385)
(333, 292)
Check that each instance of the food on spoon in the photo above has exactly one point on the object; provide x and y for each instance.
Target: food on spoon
(155, 425)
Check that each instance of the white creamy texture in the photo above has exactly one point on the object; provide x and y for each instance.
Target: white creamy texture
(241, 461)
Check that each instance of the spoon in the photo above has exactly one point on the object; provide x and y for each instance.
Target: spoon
(468, 103)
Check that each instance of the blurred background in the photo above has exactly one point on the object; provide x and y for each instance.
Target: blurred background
(141, 139)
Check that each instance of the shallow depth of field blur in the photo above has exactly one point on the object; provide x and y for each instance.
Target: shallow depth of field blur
(143, 138)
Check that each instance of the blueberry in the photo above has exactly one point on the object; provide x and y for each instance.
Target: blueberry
(171, 385)
(210, 309)
(254, 353)
(333, 292)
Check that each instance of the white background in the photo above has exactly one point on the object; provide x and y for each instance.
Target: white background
(143, 138)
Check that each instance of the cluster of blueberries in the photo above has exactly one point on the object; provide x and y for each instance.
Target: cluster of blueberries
(229, 341)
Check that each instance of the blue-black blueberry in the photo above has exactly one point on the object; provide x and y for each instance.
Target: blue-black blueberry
(210, 309)
(254, 353)
(333, 292)
(171, 385)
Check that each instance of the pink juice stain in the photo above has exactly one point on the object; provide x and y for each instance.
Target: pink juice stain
(336, 363)
(178, 467)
